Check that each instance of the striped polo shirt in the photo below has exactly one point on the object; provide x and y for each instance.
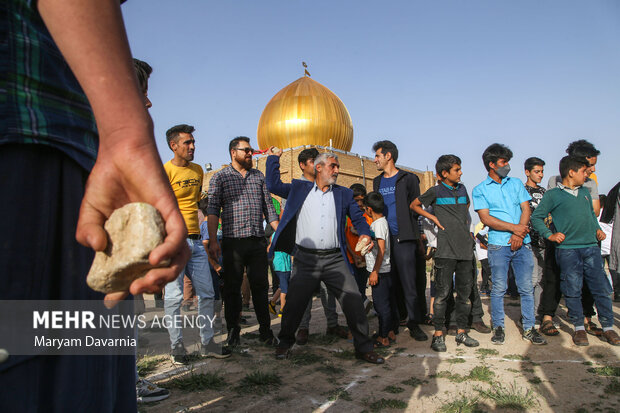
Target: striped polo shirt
(450, 207)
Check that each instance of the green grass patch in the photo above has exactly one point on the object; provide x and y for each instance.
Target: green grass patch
(598, 356)
(393, 389)
(338, 394)
(305, 358)
(509, 397)
(517, 357)
(322, 339)
(456, 360)
(329, 368)
(481, 373)
(608, 371)
(613, 387)
(258, 382)
(487, 352)
(378, 405)
(196, 382)
(414, 382)
(462, 405)
(148, 364)
(535, 380)
(345, 354)
(453, 377)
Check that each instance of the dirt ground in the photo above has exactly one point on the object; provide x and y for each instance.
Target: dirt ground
(324, 376)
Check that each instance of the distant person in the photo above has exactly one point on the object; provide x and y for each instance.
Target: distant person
(76, 138)
(186, 181)
(399, 188)
(312, 229)
(535, 171)
(482, 242)
(503, 205)
(455, 246)
(238, 192)
(380, 275)
(578, 255)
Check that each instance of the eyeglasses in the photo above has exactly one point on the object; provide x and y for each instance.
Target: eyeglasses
(246, 150)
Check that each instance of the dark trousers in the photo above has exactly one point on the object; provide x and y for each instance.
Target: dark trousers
(551, 293)
(486, 275)
(238, 253)
(420, 282)
(309, 270)
(443, 288)
(476, 312)
(42, 189)
(403, 260)
(384, 300)
(361, 278)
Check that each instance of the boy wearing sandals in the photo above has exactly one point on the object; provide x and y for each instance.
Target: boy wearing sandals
(454, 254)
(378, 265)
(577, 252)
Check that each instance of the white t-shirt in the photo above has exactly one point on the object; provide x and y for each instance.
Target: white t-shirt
(481, 253)
(606, 243)
(380, 230)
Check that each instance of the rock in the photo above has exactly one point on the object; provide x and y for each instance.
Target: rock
(133, 232)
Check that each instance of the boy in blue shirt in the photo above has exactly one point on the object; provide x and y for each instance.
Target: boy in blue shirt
(503, 205)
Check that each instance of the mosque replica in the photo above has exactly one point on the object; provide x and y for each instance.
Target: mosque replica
(306, 114)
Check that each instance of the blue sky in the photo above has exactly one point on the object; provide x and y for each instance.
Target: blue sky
(435, 77)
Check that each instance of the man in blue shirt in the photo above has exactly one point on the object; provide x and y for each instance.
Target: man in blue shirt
(503, 205)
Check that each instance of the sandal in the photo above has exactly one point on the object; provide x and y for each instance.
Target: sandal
(370, 357)
(593, 329)
(428, 320)
(378, 344)
(548, 329)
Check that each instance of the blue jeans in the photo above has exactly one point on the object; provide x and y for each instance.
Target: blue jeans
(577, 264)
(522, 263)
(197, 270)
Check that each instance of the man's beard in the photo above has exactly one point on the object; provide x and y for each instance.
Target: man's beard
(331, 180)
(246, 163)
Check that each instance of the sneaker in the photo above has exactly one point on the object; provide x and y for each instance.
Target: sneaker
(233, 337)
(463, 338)
(416, 333)
(498, 336)
(178, 355)
(534, 337)
(148, 392)
(439, 343)
(214, 350)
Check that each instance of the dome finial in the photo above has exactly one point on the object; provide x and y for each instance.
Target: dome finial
(306, 73)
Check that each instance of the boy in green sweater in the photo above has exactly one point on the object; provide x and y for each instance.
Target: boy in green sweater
(577, 251)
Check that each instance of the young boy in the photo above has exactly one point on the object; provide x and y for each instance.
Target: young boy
(455, 247)
(577, 251)
(502, 204)
(355, 258)
(534, 171)
(378, 265)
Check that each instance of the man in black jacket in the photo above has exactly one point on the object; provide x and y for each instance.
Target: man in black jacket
(399, 188)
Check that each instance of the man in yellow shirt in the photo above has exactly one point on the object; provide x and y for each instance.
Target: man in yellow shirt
(186, 181)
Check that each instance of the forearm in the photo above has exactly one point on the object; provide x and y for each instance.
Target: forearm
(91, 36)
(378, 261)
(495, 223)
(212, 223)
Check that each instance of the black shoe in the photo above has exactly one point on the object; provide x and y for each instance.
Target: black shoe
(282, 353)
(498, 336)
(243, 320)
(480, 327)
(233, 337)
(533, 337)
(463, 338)
(269, 339)
(214, 350)
(439, 343)
(178, 355)
(416, 333)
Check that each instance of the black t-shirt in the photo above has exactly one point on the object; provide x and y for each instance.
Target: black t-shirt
(536, 193)
(450, 207)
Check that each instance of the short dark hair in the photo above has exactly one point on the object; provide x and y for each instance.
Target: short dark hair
(386, 147)
(495, 152)
(235, 142)
(143, 71)
(358, 190)
(572, 163)
(445, 162)
(374, 201)
(530, 163)
(307, 154)
(582, 148)
(172, 134)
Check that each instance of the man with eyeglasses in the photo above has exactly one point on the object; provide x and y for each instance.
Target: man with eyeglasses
(240, 195)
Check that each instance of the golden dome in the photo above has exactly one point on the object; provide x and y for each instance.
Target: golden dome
(305, 113)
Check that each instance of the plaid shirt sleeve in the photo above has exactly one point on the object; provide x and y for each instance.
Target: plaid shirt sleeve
(268, 210)
(215, 196)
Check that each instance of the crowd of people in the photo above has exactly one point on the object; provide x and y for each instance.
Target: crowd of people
(77, 130)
